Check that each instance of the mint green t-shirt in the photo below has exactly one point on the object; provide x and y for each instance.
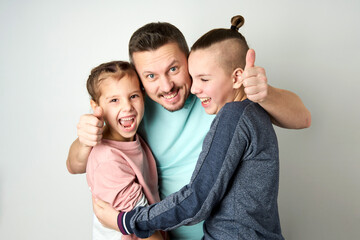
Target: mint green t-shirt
(175, 138)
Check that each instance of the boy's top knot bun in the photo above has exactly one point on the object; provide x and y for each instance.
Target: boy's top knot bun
(237, 22)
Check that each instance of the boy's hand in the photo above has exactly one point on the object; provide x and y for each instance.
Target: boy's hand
(90, 128)
(254, 79)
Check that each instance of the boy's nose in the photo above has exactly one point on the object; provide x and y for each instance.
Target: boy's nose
(194, 88)
(127, 106)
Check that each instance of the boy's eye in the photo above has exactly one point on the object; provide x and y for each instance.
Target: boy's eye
(114, 100)
(134, 96)
(204, 80)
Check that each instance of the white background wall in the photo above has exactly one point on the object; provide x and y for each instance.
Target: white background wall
(47, 49)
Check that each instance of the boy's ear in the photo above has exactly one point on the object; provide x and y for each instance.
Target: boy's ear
(93, 105)
(237, 78)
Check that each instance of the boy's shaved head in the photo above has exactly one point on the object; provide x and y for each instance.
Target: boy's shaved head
(229, 44)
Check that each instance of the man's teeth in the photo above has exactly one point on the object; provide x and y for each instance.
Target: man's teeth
(169, 96)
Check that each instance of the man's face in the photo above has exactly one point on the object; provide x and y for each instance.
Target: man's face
(164, 75)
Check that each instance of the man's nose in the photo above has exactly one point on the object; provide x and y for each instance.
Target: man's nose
(166, 84)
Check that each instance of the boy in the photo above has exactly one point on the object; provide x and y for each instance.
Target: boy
(121, 169)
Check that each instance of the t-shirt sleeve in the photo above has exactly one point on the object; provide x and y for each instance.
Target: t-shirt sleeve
(115, 182)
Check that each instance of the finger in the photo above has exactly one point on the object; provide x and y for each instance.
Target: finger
(254, 72)
(89, 129)
(259, 80)
(259, 97)
(98, 112)
(257, 93)
(90, 119)
(250, 59)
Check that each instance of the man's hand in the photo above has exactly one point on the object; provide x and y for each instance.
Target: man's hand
(284, 107)
(90, 128)
(254, 79)
(105, 213)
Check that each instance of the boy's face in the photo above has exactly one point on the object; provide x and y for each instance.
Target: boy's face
(211, 84)
(123, 105)
(164, 75)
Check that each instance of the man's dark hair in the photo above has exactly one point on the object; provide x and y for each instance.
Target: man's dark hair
(155, 35)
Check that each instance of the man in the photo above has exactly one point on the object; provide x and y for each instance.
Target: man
(174, 123)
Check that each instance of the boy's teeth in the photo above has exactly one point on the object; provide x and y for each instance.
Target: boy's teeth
(127, 122)
(204, 99)
(127, 119)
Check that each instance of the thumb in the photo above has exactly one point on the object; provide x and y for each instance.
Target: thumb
(98, 112)
(250, 59)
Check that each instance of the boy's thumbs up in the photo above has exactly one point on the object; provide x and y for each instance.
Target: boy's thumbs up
(250, 59)
(98, 112)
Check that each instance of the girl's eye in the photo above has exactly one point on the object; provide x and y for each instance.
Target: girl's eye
(134, 96)
(204, 80)
(114, 100)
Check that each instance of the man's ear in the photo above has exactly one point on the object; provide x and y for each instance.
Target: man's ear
(237, 78)
(93, 105)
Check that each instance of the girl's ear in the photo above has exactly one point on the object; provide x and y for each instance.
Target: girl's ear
(93, 105)
(237, 78)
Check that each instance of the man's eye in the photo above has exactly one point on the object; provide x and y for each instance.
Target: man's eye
(173, 69)
(151, 76)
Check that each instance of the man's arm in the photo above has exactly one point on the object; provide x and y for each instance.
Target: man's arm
(285, 108)
(89, 130)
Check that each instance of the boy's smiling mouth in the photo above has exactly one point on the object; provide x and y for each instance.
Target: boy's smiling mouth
(205, 100)
(127, 122)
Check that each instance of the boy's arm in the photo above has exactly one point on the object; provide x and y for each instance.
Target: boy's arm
(285, 108)
(77, 158)
(89, 129)
(109, 217)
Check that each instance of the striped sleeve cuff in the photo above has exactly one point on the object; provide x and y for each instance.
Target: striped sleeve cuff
(123, 222)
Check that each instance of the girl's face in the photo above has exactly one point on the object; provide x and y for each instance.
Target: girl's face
(211, 84)
(123, 105)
